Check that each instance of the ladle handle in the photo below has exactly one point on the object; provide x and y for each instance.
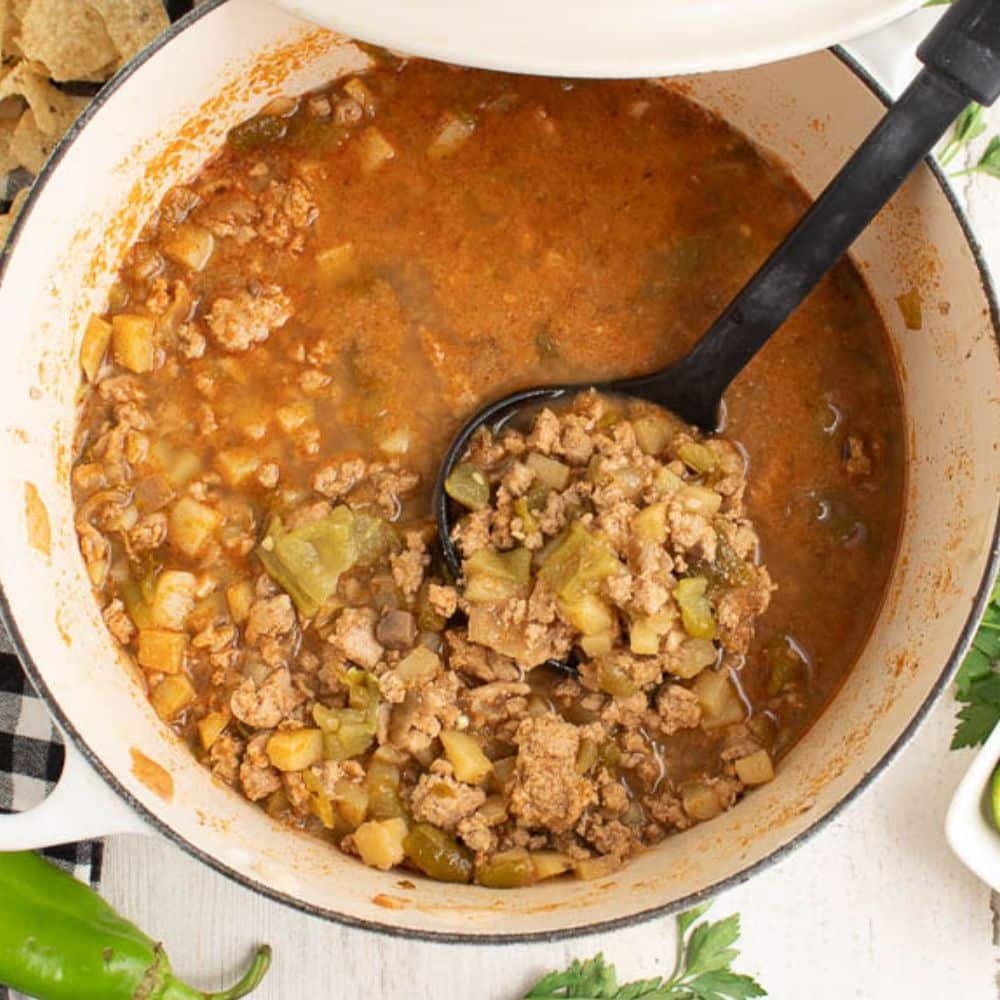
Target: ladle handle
(962, 64)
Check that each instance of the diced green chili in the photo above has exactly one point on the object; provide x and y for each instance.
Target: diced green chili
(696, 612)
(256, 132)
(348, 732)
(507, 870)
(467, 485)
(437, 854)
(786, 663)
(579, 563)
(308, 561)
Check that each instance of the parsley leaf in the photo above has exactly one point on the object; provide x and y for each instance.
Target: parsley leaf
(977, 685)
(989, 162)
(701, 970)
(969, 125)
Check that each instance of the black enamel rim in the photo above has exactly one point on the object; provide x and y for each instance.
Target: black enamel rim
(738, 878)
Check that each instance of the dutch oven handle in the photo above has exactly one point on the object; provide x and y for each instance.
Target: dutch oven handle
(80, 806)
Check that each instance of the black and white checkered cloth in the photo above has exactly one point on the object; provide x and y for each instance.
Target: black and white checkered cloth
(31, 759)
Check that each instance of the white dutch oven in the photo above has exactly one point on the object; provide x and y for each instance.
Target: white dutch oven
(150, 130)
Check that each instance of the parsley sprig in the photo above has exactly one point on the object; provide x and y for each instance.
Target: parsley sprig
(978, 680)
(702, 970)
(968, 127)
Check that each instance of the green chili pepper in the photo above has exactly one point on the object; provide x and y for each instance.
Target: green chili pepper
(60, 941)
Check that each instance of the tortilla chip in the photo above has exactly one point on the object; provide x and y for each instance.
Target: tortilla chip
(7, 159)
(67, 37)
(8, 220)
(11, 13)
(131, 24)
(28, 144)
(53, 110)
(31, 145)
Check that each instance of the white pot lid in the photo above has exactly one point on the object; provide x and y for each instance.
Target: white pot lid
(604, 38)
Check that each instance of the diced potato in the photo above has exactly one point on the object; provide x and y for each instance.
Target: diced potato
(550, 863)
(598, 644)
(700, 801)
(132, 342)
(210, 728)
(396, 443)
(94, 346)
(161, 650)
(693, 656)
(592, 868)
(699, 499)
(374, 150)
(173, 599)
(179, 466)
(453, 131)
(645, 633)
(651, 523)
(191, 524)
(292, 416)
(756, 769)
(642, 639)
(548, 471)
(239, 597)
(339, 265)
(697, 456)
(351, 800)
(190, 246)
(666, 482)
(238, 464)
(380, 842)
(417, 664)
(589, 614)
(386, 754)
(653, 432)
(356, 89)
(171, 696)
(466, 755)
(295, 749)
(720, 704)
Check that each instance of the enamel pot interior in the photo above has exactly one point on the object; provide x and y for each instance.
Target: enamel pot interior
(150, 131)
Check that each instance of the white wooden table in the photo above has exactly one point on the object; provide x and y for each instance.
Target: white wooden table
(875, 907)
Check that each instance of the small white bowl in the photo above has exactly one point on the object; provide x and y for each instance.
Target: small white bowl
(627, 38)
(970, 828)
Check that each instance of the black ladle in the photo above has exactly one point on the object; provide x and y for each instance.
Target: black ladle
(961, 58)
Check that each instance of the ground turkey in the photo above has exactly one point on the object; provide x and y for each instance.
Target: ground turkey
(444, 802)
(247, 318)
(548, 793)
